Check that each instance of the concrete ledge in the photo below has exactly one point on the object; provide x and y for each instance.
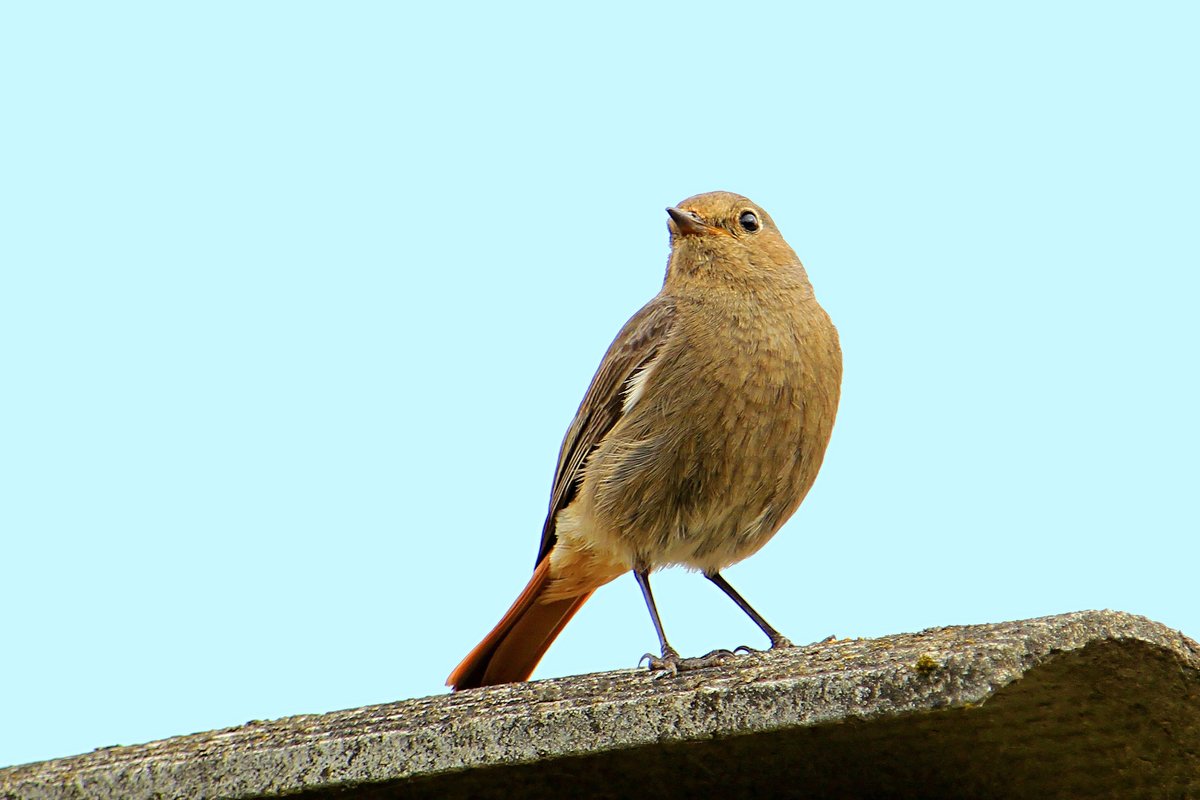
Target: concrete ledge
(1085, 704)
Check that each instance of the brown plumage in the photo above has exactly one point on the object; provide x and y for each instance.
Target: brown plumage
(703, 429)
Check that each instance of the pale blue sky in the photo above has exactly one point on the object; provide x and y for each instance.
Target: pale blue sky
(297, 300)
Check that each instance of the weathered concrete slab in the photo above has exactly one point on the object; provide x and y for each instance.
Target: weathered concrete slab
(1084, 704)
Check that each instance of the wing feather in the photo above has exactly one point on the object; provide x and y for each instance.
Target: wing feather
(604, 403)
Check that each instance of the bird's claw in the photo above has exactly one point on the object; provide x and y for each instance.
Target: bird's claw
(666, 666)
(671, 664)
(778, 643)
(650, 660)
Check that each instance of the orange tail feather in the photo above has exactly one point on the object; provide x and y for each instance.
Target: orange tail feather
(515, 646)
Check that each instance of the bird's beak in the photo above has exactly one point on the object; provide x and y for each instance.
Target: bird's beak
(685, 223)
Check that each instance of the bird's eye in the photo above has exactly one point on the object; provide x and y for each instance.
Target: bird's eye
(749, 221)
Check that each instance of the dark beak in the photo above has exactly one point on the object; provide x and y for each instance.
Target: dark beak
(685, 223)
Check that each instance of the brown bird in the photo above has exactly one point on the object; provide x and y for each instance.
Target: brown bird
(701, 432)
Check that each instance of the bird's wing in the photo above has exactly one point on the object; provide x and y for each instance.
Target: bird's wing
(604, 403)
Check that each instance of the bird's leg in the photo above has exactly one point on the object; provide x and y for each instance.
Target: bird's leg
(668, 653)
(777, 638)
(670, 663)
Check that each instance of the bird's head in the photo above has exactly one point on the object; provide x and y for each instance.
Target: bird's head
(725, 232)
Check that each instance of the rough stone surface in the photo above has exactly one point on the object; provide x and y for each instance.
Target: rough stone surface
(1091, 704)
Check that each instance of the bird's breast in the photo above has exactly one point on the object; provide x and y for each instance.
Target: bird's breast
(726, 435)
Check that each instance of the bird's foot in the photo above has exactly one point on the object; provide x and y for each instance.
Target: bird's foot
(670, 663)
(777, 643)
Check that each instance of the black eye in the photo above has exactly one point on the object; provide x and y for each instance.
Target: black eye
(749, 221)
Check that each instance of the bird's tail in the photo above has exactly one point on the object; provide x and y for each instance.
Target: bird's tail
(515, 646)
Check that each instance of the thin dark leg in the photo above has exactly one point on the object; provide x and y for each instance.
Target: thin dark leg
(643, 579)
(670, 663)
(777, 638)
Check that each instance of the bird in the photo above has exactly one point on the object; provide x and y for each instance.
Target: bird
(701, 432)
